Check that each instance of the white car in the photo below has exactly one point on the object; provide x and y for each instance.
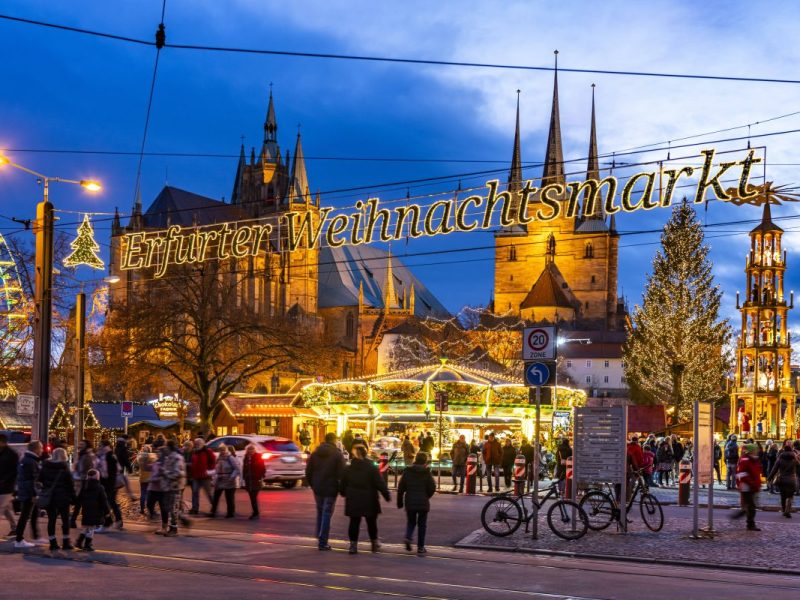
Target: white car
(283, 460)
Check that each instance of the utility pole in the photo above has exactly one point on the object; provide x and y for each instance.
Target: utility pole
(43, 300)
(80, 350)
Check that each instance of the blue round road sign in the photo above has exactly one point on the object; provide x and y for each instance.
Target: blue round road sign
(536, 374)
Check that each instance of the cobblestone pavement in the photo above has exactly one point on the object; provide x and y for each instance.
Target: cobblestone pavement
(775, 546)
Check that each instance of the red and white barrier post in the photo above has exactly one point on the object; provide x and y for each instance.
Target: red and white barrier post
(472, 472)
(684, 482)
(519, 475)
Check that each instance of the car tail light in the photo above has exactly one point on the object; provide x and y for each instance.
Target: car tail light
(304, 455)
(267, 455)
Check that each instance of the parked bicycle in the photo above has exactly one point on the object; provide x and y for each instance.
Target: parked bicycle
(602, 508)
(504, 514)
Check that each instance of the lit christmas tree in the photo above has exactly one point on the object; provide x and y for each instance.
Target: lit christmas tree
(84, 248)
(675, 351)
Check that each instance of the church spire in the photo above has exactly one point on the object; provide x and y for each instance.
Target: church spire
(298, 186)
(554, 155)
(271, 123)
(236, 195)
(515, 175)
(593, 164)
(388, 292)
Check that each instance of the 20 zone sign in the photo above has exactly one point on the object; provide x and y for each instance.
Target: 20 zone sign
(539, 343)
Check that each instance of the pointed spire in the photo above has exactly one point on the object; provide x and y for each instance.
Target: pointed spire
(412, 300)
(515, 175)
(766, 220)
(271, 123)
(360, 296)
(388, 292)
(115, 224)
(298, 187)
(593, 163)
(236, 195)
(554, 155)
(612, 225)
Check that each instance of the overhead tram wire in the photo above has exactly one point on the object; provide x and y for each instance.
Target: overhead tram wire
(395, 60)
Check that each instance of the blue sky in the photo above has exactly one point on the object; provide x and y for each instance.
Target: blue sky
(63, 90)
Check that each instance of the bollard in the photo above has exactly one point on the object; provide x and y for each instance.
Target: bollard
(472, 473)
(383, 467)
(568, 481)
(684, 483)
(519, 475)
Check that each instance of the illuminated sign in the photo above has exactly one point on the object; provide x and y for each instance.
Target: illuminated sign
(168, 407)
(294, 230)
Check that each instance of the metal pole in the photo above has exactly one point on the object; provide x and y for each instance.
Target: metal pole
(80, 350)
(623, 495)
(126, 425)
(536, 453)
(43, 314)
(441, 432)
(695, 473)
(711, 484)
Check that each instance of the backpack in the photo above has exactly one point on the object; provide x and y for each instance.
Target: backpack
(731, 453)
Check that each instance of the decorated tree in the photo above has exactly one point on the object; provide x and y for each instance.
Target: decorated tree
(84, 248)
(675, 351)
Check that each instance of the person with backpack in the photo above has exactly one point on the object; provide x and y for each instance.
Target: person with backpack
(108, 467)
(56, 495)
(414, 492)
(731, 460)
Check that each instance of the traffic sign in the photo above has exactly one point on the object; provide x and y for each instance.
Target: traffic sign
(26, 404)
(539, 373)
(440, 399)
(539, 343)
(127, 408)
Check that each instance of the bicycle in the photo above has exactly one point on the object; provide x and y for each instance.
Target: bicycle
(504, 514)
(601, 507)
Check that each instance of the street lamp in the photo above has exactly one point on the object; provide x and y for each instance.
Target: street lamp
(43, 292)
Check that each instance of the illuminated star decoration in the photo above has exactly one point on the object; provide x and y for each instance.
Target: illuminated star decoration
(766, 194)
(84, 248)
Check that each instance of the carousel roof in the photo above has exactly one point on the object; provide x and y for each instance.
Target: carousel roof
(441, 373)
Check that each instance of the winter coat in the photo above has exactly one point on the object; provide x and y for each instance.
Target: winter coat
(416, 488)
(770, 458)
(123, 456)
(324, 470)
(108, 466)
(562, 454)
(9, 460)
(492, 453)
(717, 453)
(748, 474)
(86, 461)
(94, 504)
(509, 454)
(203, 461)
(459, 453)
(361, 483)
(145, 461)
(785, 469)
(428, 444)
(27, 476)
(155, 476)
(172, 472)
(731, 452)
(648, 458)
(664, 457)
(527, 451)
(409, 452)
(226, 471)
(253, 471)
(57, 476)
(635, 456)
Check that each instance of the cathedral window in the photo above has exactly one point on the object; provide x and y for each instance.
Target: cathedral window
(593, 279)
(512, 253)
(588, 251)
(564, 285)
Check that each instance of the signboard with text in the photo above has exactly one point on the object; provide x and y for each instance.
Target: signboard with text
(539, 343)
(705, 443)
(26, 404)
(600, 440)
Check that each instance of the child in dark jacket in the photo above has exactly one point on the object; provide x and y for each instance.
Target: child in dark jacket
(94, 508)
(415, 490)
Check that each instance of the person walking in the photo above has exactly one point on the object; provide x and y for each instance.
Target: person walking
(507, 461)
(414, 492)
(9, 461)
(202, 466)
(563, 452)
(155, 493)
(94, 508)
(459, 454)
(408, 451)
(253, 471)
(527, 450)
(83, 463)
(717, 459)
(360, 485)
(784, 476)
(123, 456)
(27, 476)
(770, 458)
(108, 467)
(678, 451)
(428, 444)
(748, 480)
(492, 459)
(56, 495)
(172, 479)
(187, 449)
(226, 472)
(145, 461)
(664, 462)
(648, 460)
(731, 455)
(323, 473)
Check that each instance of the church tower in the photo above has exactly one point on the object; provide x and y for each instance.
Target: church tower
(762, 394)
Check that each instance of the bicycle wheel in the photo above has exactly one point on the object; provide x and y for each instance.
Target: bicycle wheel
(501, 516)
(599, 508)
(652, 514)
(567, 520)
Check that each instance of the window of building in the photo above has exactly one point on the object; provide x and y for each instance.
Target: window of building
(605, 378)
(512, 253)
(588, 379)
(511, 278)
(593, 279)
(587, 306)
(349, 326)
(564, 285)
(588, 364)
(605, 364)
(622, 380)
(588, 251)
(569, 364)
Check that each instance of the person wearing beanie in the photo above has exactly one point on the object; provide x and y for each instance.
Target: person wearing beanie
(748, 480)
(414, 492)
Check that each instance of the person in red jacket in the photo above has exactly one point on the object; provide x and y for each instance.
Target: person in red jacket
(748, 480)
(253, 471)
(202, 464)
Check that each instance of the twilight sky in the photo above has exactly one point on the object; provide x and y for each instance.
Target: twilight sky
(63, 90)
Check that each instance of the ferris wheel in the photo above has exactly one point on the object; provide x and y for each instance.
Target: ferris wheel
(13, 317)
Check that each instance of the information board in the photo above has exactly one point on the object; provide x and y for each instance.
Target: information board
(704, 444)
(599, 453)
(26, 404)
